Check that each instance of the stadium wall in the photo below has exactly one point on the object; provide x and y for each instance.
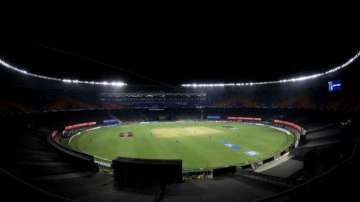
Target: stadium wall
(78, 159)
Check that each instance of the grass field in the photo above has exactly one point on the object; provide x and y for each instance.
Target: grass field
(200, 145)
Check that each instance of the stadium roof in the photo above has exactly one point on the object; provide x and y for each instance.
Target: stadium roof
(171, 55)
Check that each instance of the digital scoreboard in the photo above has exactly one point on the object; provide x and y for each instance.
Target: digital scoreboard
(334, 85)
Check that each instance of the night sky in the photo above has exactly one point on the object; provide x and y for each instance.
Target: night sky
(169, 53)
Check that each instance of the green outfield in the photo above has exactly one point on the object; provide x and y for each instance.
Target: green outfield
(200, 145)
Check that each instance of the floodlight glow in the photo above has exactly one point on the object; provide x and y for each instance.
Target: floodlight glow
(69, 81)
(66, 80)
(296, 79)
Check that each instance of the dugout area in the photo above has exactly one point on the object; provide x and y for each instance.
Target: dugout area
(132, 172)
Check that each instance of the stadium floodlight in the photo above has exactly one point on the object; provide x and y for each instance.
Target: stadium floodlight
(292, 80)
(117, 83)
(68, 81)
